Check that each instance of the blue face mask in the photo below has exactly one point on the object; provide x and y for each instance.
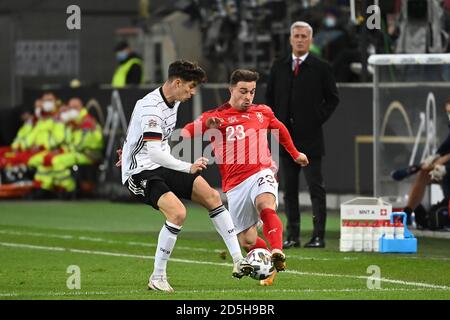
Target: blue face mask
(329, 22)
(121, 56)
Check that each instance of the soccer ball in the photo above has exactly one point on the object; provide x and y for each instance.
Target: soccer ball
(261, 261)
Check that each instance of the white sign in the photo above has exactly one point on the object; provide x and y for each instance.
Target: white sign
(366, 209)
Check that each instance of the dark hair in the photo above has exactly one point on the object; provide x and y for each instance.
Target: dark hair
(187, 71)
(243, 75)
(121, 45)
(447, 101)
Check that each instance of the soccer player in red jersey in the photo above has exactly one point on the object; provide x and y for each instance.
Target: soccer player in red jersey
(238, 132)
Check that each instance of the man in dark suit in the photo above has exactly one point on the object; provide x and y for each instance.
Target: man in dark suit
(302, 92)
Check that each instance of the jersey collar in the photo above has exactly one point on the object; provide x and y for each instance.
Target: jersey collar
(165, 100)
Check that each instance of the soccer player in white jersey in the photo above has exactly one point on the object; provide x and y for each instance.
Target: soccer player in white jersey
(158, 179)
(245, 163)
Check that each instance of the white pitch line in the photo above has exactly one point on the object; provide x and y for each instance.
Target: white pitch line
(408, 283)
(322, 259)
(144, 291)
(84, 238)
(118, 254)
(145, 244)
(308, 290)
(30, 246)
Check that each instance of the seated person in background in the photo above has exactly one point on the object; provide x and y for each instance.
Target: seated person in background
(433, 169)
(34, 138)
(20, 141)
(82, 145)
(14, 158)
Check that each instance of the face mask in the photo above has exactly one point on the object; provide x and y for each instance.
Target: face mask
(121, 56)
(48, 106)
(69, 115)
(329, 22)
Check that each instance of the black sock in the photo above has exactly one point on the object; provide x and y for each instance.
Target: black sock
(408, 210)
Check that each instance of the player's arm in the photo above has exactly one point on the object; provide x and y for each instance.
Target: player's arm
(195, 128)
(281, 133)
(119, 157)
(441, 152)
(208, 120)
(166, 160)
(151, 126)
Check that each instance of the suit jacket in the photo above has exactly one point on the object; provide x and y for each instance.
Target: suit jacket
(303, 103)
(444, 148)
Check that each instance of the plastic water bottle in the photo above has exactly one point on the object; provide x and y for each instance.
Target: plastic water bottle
(399, 230)
(389, 230)
(367, 231)
(346, 244)
(357, 237)
(377, 232)
(413, 221)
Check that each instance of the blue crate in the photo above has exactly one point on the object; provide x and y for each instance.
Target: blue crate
(406, 245)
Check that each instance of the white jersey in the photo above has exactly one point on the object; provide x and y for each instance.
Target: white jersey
(153, 118)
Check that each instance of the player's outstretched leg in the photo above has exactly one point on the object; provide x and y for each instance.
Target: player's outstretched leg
(259, 244)
(272, 228)
(203, 194)
(175, 213)
(250, 240)
(270, 280)
(159, 283)
(241, 268)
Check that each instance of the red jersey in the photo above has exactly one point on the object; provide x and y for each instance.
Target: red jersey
(240, 143)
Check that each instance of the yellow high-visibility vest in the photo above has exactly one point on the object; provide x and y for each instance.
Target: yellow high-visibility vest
(120, 75)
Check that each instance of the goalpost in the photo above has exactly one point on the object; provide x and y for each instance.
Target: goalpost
(409, 120)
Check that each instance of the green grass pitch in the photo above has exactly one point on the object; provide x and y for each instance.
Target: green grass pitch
(113, 245)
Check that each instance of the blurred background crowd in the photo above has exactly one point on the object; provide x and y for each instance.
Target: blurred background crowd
(124, 44)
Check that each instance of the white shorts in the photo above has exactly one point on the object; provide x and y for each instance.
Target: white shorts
(241, 199)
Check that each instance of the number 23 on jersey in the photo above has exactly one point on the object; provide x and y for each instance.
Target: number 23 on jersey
(235, 133)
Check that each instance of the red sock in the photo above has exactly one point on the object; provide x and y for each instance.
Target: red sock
(260, 243)
(272, 228)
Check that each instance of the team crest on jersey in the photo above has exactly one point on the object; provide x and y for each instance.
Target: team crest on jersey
(260, 117)
(152, 123)
(232, 119)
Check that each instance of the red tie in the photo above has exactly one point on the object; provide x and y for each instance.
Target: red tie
(297, 66)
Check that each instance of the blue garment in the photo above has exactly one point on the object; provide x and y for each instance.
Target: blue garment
(444, 149)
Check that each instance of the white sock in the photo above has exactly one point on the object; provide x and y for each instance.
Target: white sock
(221, 219)
(166, 243)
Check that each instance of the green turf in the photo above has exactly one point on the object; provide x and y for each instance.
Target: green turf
(113, 245)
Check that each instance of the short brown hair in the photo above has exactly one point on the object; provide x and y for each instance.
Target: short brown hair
(243, 75)
(187, 71)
